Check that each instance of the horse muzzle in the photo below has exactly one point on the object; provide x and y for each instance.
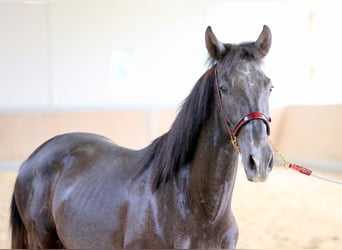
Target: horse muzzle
(258, 164)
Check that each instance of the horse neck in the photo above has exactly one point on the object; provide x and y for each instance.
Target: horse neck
(213, 170)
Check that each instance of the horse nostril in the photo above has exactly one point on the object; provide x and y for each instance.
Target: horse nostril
(254, 163)
(270, 163)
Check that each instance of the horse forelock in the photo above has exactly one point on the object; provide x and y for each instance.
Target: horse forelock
(234, 53)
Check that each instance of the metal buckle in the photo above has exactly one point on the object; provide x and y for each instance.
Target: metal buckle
(235, 144)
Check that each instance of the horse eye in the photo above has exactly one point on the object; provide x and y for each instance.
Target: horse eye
(223, 88)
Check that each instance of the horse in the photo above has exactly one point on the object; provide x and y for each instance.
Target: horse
(81, 190)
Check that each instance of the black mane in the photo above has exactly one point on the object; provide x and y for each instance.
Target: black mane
(176, 148)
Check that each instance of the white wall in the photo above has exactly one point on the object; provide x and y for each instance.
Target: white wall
(149, 53)
(24, 71)
(124, 53)
(326, 41)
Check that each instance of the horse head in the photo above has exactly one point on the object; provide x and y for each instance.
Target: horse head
(243, 96)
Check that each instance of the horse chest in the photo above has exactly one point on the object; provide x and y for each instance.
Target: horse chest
(154, 228)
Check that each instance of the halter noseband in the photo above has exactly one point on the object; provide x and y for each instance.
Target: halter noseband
(247, 118)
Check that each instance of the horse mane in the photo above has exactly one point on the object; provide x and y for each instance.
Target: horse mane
(169, 152)
(175, 148)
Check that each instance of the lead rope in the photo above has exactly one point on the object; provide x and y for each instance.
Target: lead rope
(284, 163)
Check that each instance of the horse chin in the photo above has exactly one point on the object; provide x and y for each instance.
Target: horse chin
(255, 177)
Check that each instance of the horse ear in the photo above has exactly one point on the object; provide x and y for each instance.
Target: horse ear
(264, 41)
(215, 48)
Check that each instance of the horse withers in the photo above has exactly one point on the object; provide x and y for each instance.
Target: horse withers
(81, 190)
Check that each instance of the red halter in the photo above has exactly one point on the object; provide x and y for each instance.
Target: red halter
(249, 117)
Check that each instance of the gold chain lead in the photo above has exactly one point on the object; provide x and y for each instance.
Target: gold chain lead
(283, 162)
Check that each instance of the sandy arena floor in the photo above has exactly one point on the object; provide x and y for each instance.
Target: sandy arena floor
(290, 210)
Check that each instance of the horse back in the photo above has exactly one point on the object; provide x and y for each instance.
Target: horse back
(78, 160)
(74, 151)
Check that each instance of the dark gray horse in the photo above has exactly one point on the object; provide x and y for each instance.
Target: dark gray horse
(81, 190)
